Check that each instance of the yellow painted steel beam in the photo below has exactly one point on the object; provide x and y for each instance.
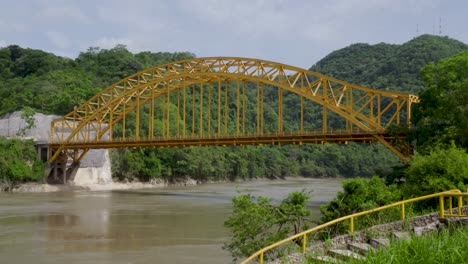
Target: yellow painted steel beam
(315, 137)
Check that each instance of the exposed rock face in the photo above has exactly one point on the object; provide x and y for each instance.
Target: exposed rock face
(12, 123)
(95, 166)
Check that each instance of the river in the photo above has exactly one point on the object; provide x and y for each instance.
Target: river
(161, 225)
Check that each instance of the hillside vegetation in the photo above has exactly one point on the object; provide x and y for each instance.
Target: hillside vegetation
(388, 66)
(54, 85)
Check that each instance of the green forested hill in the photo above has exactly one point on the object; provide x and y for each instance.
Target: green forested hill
(53, 85)
(387, 66)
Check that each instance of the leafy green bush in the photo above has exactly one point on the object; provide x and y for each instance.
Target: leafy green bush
(441, 170)
(19, 162)
(256, 223)
(359, 195)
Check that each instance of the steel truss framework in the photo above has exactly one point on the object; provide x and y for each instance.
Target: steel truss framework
(206, 82)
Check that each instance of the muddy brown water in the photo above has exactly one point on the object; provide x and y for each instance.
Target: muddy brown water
(164, 225)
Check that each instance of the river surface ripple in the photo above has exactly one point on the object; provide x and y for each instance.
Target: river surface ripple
(164, 225)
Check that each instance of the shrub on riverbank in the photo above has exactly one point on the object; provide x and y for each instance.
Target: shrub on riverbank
(256, 223)
(18, 162)
(358, 195)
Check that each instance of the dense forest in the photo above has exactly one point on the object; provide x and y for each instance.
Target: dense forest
(54, 85)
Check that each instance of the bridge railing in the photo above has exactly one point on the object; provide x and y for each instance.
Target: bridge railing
(196, 136)
(351, 218)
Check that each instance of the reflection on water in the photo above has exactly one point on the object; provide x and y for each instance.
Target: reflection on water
(170, 225)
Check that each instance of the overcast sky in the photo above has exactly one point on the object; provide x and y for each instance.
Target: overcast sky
(295, 32)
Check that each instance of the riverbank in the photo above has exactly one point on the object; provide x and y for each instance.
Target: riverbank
(109, 186)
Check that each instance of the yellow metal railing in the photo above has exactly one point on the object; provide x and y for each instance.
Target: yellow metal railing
(442, 195)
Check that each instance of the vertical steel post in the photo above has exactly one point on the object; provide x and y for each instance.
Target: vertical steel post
(324, 113)
(193, 110)
(209, 107)
(226, 109)
(111, 121)
(460, 205)
(408, 113)
(151, 115)
(238, 108)
(219, 108)
(450, 206)
(168, 105)
(201, 110)
(137, 128)
(379, 113)
(302, 114)
(402, 212)
(243, 107)
(178, 113)
(163, 116)
(441, 205)
(184, 109)
(258, 110)
(123, 125)
(280, 110)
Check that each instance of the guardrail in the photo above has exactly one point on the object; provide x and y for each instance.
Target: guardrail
(442, 195)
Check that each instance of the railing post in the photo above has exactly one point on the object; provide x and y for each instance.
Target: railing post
(402, 212)
(261, 258)
(304, 243)
(450, 206)
(460, 205)
(351, 225)
(441, 205)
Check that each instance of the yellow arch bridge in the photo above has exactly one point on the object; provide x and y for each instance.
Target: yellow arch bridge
(229, 101)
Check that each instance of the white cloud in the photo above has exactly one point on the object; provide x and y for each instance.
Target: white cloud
(3, 43)
(58, 39)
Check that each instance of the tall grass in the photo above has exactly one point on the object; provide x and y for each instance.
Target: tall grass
(447, 246)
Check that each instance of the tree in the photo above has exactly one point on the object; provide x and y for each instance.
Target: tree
(256, 223)
(441, 170)
(441, 114)
(18, 162)
(359, 195)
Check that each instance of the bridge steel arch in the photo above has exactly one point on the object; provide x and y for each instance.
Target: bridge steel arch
(371, 112)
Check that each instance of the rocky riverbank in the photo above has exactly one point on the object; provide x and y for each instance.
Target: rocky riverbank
(38, 187)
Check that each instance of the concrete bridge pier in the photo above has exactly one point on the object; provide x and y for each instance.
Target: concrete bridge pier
(60, 172)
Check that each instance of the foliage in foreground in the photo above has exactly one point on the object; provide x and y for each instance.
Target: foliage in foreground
(19, 162)
(441, 170)
(447, 246)
(256, 223)
(441, 114)
(359, 195)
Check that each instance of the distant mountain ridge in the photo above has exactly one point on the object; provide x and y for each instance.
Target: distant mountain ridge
(388, 66)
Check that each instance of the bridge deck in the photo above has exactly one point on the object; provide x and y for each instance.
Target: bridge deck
(270, 139)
